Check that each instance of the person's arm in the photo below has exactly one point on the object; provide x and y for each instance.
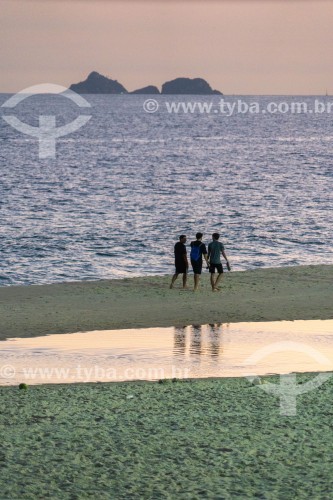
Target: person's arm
(204, 253)
(223, 252)
(185, 259)
(226, 259)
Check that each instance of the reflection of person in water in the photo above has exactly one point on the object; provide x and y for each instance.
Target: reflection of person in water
(193, 337)
(215, 332)
(196, 340)
(180, 340)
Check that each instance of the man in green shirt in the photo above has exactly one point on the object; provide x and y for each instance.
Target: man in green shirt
(215, 249)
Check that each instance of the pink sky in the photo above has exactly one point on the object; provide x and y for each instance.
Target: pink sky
(239, 47)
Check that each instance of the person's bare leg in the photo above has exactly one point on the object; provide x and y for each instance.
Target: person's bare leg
(218, 279)
(184, 280)
(212, 280)
(174, 277)
(196, 281)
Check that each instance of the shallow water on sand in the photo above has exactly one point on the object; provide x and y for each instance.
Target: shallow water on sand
(216, 350)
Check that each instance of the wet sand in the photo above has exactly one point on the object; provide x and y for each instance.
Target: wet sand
(187, 439)
(273, 294)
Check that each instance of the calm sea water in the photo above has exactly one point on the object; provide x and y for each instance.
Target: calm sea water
(124, 186)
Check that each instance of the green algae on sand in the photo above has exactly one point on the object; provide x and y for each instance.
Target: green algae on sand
(214, 438)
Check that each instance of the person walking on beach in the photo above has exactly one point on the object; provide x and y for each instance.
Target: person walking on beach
(215, 249)
(198, 249)
(181, 262)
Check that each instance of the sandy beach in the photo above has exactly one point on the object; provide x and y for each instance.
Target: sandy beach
(271, 294)
(212, 438)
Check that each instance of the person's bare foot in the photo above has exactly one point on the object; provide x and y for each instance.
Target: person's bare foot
(216, 289)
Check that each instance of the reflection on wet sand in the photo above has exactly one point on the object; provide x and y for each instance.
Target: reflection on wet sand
(214, 350)
(199, 340)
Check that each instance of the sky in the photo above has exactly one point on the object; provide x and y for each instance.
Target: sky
(239, 47)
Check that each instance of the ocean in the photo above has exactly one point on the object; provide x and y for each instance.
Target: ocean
(123, 187)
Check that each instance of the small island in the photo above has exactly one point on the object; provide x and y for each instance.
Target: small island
(150, 89)
(188, 86)
(96, 83)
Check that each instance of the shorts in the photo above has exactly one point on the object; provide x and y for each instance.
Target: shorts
(196, 266)
(219, 268)
(180, 268)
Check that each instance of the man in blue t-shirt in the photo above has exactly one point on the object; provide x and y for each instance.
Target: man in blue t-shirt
(198, 249)
(215, 249)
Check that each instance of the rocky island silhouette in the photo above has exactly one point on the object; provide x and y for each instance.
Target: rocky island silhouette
(96, 83)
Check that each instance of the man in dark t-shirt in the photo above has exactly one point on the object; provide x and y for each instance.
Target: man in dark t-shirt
(198, 249)
(181, 262)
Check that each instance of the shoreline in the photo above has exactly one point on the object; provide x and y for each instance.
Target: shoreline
(264, 378)
(266, 294)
